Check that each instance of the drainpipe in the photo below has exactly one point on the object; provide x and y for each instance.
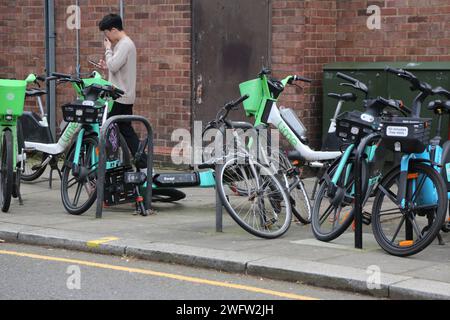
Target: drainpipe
(121, 6)
(50, 62)
(78, 65)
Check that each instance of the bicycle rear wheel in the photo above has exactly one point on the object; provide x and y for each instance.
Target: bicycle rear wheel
(6, 171)
(34, 167)
(407, 231)
(300, 203)
(264, 208)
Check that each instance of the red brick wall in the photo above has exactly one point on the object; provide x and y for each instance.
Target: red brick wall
(411, 30)
(306, 34)
(161, 30)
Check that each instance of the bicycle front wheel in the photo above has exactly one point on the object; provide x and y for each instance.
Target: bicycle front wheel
(406, 230)
(78, 185)
(6, 171)
(333, 210)
(263, 208)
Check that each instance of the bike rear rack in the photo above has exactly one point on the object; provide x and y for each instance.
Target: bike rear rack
(102, 160)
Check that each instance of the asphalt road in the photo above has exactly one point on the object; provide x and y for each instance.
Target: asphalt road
(29, 272)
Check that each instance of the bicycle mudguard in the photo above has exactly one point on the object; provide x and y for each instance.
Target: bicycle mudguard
(425, 197)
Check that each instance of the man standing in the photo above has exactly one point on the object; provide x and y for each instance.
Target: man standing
(120, 61)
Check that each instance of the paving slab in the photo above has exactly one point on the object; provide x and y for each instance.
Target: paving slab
(185, 233)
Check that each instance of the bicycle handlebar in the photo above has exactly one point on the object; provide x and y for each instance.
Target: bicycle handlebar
(61, 75)
(231, 105)
(441, 91)
(347, 78)
(300, 78)
(64, 77)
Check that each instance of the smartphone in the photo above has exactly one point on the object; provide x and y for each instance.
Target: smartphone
(97, 65)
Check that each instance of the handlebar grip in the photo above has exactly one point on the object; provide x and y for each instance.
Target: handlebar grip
(299, 78)
(346, 77)
(240, 100)
(441, 91)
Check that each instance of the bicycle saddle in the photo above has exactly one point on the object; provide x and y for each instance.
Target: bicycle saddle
(35, 93)
(439, 106)
(241, 125)
(344, 96)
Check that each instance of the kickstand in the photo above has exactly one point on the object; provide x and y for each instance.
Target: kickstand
(54, 167)
(19, 195)
(440, 239)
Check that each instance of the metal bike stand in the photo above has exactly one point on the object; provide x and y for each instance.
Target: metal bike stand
(102, 160)
(359, 196)
(219, 205)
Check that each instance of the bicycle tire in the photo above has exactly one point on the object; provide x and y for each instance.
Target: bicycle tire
(277, 198)
(72, 208)
(409, 247)
(6, 171)
(342, 225)
(35, 173)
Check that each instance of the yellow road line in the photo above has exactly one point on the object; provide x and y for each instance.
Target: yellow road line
(160, 274)
(96, 243)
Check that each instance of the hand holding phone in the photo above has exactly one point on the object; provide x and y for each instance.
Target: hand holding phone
(99, 65)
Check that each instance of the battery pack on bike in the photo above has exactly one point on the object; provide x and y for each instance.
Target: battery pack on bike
(118, 186)
(176, 180)
(407, 135)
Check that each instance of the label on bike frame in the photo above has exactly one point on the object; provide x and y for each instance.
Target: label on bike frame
(392, 131)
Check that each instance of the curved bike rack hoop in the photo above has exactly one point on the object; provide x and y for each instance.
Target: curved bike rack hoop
(358, 188)
(102, 159)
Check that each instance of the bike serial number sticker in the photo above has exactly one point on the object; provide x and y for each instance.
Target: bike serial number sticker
(392, 131)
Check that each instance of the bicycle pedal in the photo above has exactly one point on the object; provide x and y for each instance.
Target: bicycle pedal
(367, 218)
(270, 223)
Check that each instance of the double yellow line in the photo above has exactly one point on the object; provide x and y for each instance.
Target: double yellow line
(159, 274)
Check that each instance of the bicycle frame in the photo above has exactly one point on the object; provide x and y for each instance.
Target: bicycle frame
(268, 113)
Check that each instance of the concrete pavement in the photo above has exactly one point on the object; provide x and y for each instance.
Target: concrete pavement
(184, 233)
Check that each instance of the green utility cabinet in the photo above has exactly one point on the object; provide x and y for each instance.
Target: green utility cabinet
(383, 84)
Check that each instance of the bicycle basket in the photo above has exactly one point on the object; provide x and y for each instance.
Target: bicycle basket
(352, 126)
(407, 135)
(83, 111)
(253, 88)
(12, 97)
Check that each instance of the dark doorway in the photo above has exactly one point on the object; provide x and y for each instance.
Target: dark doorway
(231, 43)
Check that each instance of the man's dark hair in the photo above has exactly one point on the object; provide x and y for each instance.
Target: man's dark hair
(111, 21)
